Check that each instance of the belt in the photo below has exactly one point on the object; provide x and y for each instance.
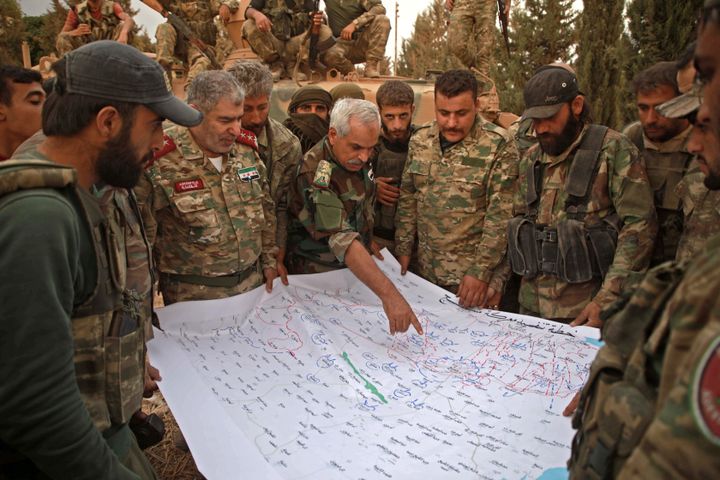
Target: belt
(227, 281)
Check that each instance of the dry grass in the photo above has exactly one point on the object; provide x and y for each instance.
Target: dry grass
(169, 462)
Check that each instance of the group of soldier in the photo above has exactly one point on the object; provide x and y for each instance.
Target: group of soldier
(604, 229)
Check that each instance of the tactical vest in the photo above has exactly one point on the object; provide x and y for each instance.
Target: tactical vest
(108, 339)
(289, 18)
(619, 399)
(665, 170)
(388, 163)
(199, 17)
(103, 29)
(572, 251)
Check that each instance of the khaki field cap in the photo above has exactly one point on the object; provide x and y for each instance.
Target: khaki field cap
(690, 99)
(113, 71)
(548, 90)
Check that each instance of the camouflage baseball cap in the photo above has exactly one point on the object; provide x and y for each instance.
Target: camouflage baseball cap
(548, 90)
(114, 71)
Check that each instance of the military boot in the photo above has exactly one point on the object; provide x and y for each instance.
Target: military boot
(371, 69)
(277, 69)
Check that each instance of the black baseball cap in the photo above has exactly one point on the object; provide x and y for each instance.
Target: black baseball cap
(114, 71)
(548, 90)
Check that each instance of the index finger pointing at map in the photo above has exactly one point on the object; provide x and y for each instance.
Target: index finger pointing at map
(416, 323)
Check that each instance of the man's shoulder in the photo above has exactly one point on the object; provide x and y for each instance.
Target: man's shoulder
(312, 158)
(282, 136)
(495, 132)
(424, 134)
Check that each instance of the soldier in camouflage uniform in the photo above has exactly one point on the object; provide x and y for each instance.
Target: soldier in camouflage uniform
(471, 32)
(198, 15)
(276, 29)
(206, 201)
(584, 216)
(279, 149)
(93, 20)
(362, 30)
(650, 408)
(396, 102)
(72, 356)
(662, 143)
(455, 194)
(331, 208)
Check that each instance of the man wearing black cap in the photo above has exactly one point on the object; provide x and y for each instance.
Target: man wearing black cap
(584, 217)
(71, 353)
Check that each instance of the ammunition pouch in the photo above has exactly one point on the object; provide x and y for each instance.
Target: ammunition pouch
(522, 247)
(149, 430)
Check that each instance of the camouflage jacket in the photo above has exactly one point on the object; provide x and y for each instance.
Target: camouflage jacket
(457, 203)
(621, 186)
(342, 12)
(281, 153)
(701, 208)
(103, 29)
(329, 207)
(204, 222)
(650, 407)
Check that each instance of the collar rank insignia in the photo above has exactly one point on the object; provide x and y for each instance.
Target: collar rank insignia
(248, 138)
(323, 174)
(167, 147)
(248, 174)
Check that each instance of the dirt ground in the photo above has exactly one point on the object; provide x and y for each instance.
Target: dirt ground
(169, 462)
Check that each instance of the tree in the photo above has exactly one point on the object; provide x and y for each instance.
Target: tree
(599, 65)
(540, 33)
(11, 32)
(427, 47)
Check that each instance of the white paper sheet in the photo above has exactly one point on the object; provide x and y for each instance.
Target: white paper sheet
(307, 383)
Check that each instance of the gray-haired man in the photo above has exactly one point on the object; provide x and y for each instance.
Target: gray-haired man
(206, 201)
(331, 203)
(279, 149)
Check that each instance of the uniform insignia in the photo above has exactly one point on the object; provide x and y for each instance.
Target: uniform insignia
(248, 174)
(323, 174)
(706, 393)
(167, 147)
(248, 138)
(189, 185)
(371, 174)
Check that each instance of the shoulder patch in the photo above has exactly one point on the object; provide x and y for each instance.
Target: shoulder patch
(168, 146)
(706, 393)
(248, 138)
(323, 174)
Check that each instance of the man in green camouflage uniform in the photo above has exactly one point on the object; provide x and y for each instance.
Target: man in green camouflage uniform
(93, 20)
(206, 201)
(396, 102)
(662, 144)
(471, 32)
(584, 215)
(276, 30)
(279, 149)
(651, 408)
(331, 207)
(198, 15)
(362, 30)
(71, 360)
(455, 194)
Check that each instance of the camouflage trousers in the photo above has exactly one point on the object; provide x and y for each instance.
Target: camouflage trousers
(174, 291)
(167, 39)
(270, 49)
(471, 34)
(369, 46)
(67, 43)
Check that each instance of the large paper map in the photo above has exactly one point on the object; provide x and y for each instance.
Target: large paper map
(307, 383)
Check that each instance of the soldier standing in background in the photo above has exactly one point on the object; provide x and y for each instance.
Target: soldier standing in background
(650, 408)
(21, 101)
(455, 195)
(362, 30)
(662, 144)
(206, 201)
(94, 20)
(309, 115)
(64, 314)
(198, 15)
(396, 102)
(584, 213)
(279, 149)
(471, 32)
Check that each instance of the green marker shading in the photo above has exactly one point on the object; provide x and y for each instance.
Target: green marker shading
(368, 385)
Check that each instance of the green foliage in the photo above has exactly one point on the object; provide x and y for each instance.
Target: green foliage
(11, 32)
